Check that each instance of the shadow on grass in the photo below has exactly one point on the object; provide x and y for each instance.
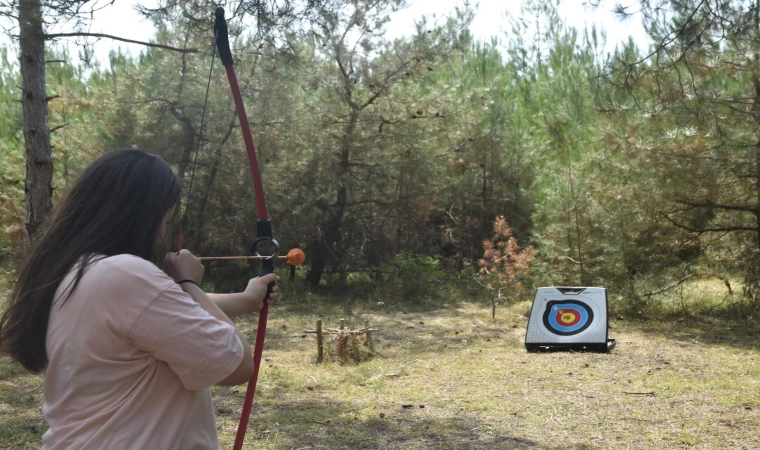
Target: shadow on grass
(721, 331)
(21, 426)
(325, 424)
(419, 327)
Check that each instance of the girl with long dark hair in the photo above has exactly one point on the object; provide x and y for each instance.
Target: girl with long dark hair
(128, 350)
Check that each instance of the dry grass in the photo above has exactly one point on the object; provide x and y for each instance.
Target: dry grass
(691, 383)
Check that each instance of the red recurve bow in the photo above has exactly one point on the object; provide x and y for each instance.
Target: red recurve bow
(263, 225)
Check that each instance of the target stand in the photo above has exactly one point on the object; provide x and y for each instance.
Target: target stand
(569, 318)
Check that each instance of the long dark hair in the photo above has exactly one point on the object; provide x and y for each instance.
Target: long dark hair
(115, 207)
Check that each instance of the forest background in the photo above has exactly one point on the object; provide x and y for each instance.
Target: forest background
(429, 165)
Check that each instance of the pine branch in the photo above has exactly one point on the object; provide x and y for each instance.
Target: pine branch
(708, 230)
(745, 208)
(116, 38)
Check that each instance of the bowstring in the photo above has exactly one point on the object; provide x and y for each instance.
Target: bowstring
(197, 149)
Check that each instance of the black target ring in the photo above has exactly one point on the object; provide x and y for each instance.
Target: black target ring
(567, 317)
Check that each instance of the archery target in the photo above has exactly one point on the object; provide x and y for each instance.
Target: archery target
(568, 317)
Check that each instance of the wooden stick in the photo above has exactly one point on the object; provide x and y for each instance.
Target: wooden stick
(342, 339)
(368, 333)
(320, 349)
(334, 331)
(357, 353)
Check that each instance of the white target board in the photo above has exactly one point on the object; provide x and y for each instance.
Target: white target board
(569, 318)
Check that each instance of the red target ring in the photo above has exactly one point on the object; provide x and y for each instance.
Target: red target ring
(568, 317)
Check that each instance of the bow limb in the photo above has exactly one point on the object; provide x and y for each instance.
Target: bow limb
(263, 226)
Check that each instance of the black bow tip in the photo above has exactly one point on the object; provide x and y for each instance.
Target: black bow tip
(222, 39)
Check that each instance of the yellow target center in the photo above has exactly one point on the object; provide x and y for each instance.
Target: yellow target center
(567, 317)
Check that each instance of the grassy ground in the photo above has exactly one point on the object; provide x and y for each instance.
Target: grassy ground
(446, 376)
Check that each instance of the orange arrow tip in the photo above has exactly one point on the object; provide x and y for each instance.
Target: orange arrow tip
(296, 257)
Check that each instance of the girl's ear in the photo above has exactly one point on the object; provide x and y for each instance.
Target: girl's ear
(162, 228)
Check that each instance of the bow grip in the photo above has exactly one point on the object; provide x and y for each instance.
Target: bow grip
(267, 267)
(264, 234)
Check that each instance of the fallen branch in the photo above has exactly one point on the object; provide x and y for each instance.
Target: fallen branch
(669, 287)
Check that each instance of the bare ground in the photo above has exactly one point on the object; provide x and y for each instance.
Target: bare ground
(446, 376)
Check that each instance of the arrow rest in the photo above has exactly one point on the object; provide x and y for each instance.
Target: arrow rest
(264, 234)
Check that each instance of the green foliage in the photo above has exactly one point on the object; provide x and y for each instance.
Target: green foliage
(683, 133)
(387, 161)
(417, 276)
(12, 165)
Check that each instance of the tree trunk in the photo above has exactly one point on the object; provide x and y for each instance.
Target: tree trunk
(210, 183)
(39, 160)
(756, 107)
(757, 193)
(324, 243)
(188, 138)
(752, 274)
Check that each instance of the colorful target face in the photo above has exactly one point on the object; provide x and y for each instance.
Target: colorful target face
(567, 317)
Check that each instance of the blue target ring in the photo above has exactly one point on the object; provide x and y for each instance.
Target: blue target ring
(567, 317)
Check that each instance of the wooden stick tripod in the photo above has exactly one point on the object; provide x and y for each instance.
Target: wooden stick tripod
(343, 335)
